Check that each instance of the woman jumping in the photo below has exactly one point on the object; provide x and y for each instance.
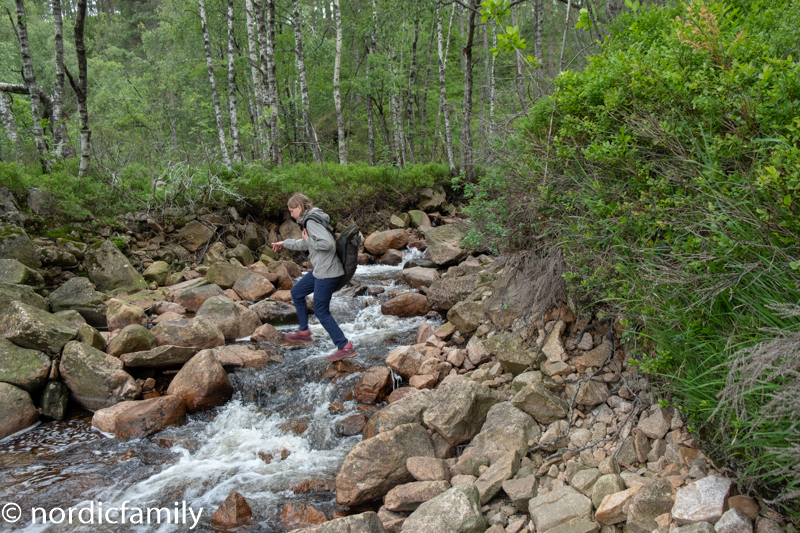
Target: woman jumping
(327, 269)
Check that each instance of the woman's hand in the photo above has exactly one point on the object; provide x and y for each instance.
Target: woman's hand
(277, 246)
(305, 234)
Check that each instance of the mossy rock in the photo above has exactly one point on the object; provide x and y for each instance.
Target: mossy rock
(15, 244)
(12, 271)
(157, 272)
(22, 293)
(33, 328)
(23, 368)
(110, 270)
(78, 294)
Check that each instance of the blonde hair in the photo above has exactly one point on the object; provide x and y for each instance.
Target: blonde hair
(301, 200)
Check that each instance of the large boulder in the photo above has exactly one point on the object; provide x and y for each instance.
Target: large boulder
(30, 327)
(110, 270)
(15, 244)
(131, 420)
(558, 507)
(466, 316)
(120, 314)
(408, 410)
(202, 383)
(225, 275)
(374, 385)
(507, 430)
(161, 357)
(418, 277)
(133, 338)
(457, 510)
(431, 198)
(22, 293)
(194, 297)
(253, 287)
(199, 332)
(381, 242)
(95, 380)
(78, 294)
(444, 293)
(195, 235)
(459, 410)
(536, 400)
(18, 410)
(444, 244)
(405, 360)
(274, 312)
(23, 368)
(407, 304)
(14, 272)
(376, 465)
(232, 319)
(704, 500)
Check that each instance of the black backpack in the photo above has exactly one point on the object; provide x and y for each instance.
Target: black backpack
(347, 245)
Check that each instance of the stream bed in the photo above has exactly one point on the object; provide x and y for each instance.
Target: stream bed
(274, 443)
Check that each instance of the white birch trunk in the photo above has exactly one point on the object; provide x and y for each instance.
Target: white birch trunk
(258, 86)
(272, 78)
(410, 101)
(59, 131)
(234, 116)
(337, 98)
(466, 133)
(519, 80)
(214, 95)
(82, 91)
(448, 134)
(10, 125)
(311, 135)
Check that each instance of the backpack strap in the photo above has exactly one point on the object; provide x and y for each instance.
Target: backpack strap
(319, 220)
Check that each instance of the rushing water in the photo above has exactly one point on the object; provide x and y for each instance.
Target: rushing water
(281, 410)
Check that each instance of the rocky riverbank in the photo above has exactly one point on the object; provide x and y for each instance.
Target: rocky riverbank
(505, 420)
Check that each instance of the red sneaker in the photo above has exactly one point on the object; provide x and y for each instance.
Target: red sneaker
(345, 353)
(301, 337)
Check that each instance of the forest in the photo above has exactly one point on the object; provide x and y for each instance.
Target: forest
(654, 145)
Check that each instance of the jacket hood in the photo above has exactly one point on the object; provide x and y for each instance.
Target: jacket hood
(315, 211)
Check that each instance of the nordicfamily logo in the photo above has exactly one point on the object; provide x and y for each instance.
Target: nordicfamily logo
(106, 513)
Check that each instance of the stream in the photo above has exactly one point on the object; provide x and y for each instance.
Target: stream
(281, 410)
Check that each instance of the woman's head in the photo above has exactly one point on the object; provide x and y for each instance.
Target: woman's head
(299, 204)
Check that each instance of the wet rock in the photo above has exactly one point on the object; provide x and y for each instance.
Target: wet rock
(18, 410)
(457, 510)
(361, 523)
(21, 293)
(301, 514)
(193, 298)
(521, 491)
(266, 333)
(352, 425)
(23, 368)
(649, 503)
(381, 242)
(119, 315)
(540, 403)
(202, 383)
(15, 244)
(491, 481)
(245, 356)
(459, 410)
(231, 318)
(391, 258)
(466, 316)
(30, 327)
(428, 469)
(233, 512)
(558, 507)
(444, 244)
(400, 393)
(195, 235)
(409, 496)
(374, 385)
(161, 357)
(444, 293)
(133, 338)
(109, 270)
(507, 430)
(78, 294)
(409, 410)
(657, 424)
(418, 277)
(405, 360)
(273, 312)
(132, 420)
(734, 521)
(704, 500)
(589, 392)
(54, 400)
(225, 275)
(95, 380)
(199, 332)
(14, 272)
(376, 465)
(253, 287)
(407, 304)
(419, 219)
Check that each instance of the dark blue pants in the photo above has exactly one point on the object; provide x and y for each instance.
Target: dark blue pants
(323, 291)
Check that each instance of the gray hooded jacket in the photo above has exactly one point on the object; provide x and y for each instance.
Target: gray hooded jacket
(320, 246)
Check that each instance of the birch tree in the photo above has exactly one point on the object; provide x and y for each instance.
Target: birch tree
(466, 132)
(311, 134)
(410, 95)
(237, 148)
(82, 90)
(448, 134)
(337, 99)
(272, 83)
(10, 125)
(59, 131)
(223, 145)
(255, 73)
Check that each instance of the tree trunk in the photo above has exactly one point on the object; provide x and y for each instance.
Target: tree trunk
(10, 125)
(237, 147)
(410, 100)
(83, 93)
(272, 78)
(258, 85)
(423, 104)
(436, 133)
(337, 97)
(395, 113)
(467, 164)
(538, 13)
(519, 80)
(311, 135)
(30, 80)
(492, 86)
(448, 134)
(370, 118)
(214, 96)
(59, 131)
(564, 39)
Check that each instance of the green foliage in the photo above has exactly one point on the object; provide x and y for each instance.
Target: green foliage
(668, 170)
